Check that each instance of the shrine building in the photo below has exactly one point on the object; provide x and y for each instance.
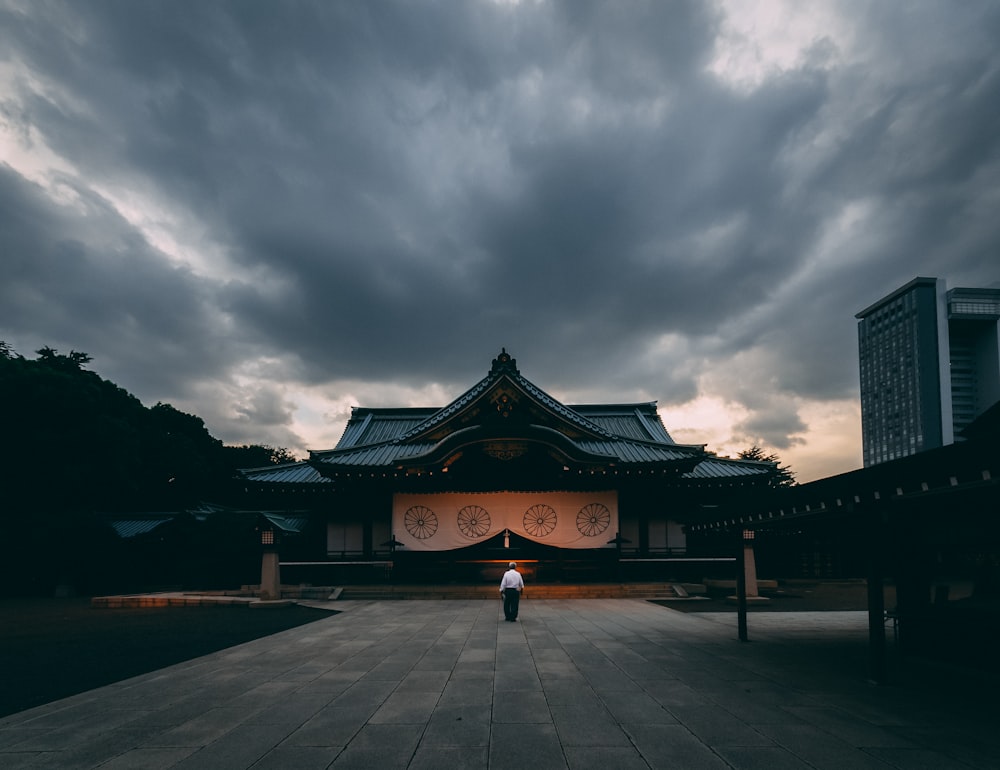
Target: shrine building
(504, 472)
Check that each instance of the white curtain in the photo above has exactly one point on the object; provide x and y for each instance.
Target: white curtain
(441, 522)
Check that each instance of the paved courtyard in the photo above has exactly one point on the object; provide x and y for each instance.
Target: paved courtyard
(597, 683)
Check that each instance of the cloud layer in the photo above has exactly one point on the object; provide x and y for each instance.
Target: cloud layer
(265, 213)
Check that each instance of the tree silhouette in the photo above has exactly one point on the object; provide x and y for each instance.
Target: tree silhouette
(783, 475)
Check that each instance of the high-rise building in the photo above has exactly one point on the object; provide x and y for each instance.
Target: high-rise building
(930, 364)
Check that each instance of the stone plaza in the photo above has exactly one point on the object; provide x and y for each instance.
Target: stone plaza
(585, 683)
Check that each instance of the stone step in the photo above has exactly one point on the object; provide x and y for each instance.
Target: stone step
(576, 591)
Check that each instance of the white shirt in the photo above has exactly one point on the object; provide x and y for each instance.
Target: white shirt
(512, 579)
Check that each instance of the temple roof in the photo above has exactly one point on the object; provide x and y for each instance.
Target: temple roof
(505, 409)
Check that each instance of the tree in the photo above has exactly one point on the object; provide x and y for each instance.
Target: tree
(783, 475)
(7, 353)
(257, 456)
(74, 362)
(75, 447)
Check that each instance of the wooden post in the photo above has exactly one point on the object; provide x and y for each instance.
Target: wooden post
(877, 667)
(741, 587)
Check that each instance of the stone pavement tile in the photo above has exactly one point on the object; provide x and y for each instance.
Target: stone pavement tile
(435, 662)
(604, 758)
(522, 679)
(672, 746)
(424, 681)
(716, 726)
(11, 736)
(754, 713)
(848, 727)
(91, 749)
(239, 748)
(69, 735)
(548, 669)
(605, 680)
(349, 649)
(474, 670)
(331, 727)
(967, 743)
(202, 729)
(520, 707)
(922, 759)
(405, 708)
(380, 746)
(760, 758)
(298, 757)
(550, 650)
(306, 672)
(290, 709)
(705, 679)
(16, 760)
(820, 749)
(331, 687)
(149, 759)
(389, 670)
(458, 726)
(266, 693)
(672, 692)
(175, 714)
(467, 692)
(637, 708)
(348, 673)
(890, 706)
(767, 692)
(448, 645)
(585, 656)
(579, 725)
(73, 712)
(543, 642)
(364, 693)
(567, 692)
(632, 665)
(515, 747)
(480, 657)
(449, 757)
(480, 643)
(511, 656)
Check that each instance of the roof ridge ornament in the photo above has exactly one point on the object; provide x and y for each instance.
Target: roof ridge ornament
(504, 363)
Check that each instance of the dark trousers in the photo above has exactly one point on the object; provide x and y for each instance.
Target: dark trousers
(511, 598)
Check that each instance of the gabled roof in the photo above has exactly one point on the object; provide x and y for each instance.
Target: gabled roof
(503, 399)
(370, 426)
(506, 406)
(288, 473)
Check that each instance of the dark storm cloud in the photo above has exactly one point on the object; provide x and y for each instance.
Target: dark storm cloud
(392, 191)
(78, 274)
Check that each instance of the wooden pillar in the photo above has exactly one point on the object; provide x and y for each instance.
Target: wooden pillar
(876, 545)
(741, 587)
(367, 544)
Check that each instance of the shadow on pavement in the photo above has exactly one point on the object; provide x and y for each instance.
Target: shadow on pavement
(54, 648)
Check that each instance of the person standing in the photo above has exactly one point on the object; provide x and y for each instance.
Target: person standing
(510, 587)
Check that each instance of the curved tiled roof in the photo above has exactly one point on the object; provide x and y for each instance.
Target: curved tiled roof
(722, 468)
(635, 421)
(290, 473)
(373, 426)
(623, 434)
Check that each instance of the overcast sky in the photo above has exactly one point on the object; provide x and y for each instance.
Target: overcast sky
(264, 213)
